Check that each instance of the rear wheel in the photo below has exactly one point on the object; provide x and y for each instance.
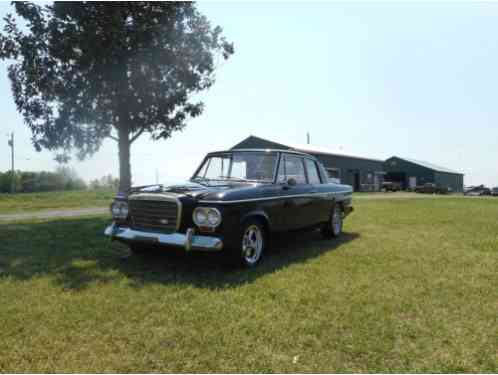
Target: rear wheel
(333, 227)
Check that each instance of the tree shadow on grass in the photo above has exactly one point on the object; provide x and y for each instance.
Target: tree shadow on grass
(75, 253)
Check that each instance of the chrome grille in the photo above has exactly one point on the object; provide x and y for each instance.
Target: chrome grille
(158, 214)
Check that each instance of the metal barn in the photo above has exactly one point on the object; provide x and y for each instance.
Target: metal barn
(410, 173)
(363, 174)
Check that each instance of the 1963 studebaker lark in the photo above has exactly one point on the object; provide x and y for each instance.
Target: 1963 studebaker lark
(233, 203)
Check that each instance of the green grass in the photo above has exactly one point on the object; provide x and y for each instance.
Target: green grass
(55, 200)
(411, 287)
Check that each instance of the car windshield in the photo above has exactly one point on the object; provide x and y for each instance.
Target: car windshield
(238, 166)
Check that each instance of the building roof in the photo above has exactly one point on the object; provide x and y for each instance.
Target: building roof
(313, 149)
(426, 164)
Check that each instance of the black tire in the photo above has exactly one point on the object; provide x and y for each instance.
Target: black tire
(332, 228)
(242, 254)
(138, 249)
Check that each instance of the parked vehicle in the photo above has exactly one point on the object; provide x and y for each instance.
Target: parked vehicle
(233, 203)
(431, 188)
(477, 191)
(494, 191)
(390, 186)
(468, 188)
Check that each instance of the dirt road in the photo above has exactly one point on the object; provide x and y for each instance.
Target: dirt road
(47, 214)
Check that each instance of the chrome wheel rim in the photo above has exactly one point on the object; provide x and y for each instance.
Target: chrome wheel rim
(252, 244)
(337, 221)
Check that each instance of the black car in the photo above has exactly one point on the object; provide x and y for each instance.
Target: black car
(233, 203)
(430, 188)
(390, 186)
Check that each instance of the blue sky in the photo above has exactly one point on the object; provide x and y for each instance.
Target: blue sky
(415, 80)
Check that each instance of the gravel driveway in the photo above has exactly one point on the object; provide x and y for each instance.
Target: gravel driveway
(54, 213)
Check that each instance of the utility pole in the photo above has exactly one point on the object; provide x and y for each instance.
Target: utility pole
(12, 175)
(308, 137)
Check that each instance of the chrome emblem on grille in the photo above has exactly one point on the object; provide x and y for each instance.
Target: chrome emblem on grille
(164, 221)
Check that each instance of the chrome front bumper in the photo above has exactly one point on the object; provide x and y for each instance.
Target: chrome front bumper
(188, 241)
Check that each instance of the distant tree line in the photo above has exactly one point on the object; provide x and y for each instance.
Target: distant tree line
(64, 178)
(104, 183)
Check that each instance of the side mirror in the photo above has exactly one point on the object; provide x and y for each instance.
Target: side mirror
(291, 182)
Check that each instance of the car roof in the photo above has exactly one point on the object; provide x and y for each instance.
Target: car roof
(262, 150)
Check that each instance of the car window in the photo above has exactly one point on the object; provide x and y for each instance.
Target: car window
(292, 167)
(256, 165)
(239, 166)
(217, 167)
(313, 176)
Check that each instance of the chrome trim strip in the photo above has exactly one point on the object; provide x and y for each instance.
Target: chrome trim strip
(187, 241)
(326, 194)
(171, 197)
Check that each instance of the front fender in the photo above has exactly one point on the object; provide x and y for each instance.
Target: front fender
(258, 213)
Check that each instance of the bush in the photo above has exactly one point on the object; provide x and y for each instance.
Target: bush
(105, 183)
(64, 178)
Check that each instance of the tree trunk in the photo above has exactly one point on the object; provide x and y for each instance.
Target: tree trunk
(124, 159)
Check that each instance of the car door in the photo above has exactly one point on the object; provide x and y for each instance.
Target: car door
(297, 199)
(319, 209)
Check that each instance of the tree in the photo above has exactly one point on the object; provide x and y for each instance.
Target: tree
(85, 71)
(105, 183)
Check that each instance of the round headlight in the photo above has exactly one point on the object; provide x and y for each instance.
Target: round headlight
(206, 217)
(119, 210)
(115, 209)
(200, 216)
(124, 210)
(213, 217)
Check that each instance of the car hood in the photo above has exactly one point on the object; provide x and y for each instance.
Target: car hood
(213, 191)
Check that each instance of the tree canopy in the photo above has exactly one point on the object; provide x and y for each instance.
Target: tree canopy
(84, 71)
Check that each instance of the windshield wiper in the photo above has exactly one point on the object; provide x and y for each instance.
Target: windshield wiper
(234, 178)
(230, 178)
(222, 178)
(249, 180)
(200, 180)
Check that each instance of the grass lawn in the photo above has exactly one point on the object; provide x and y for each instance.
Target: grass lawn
(412, 286)
(55, 200)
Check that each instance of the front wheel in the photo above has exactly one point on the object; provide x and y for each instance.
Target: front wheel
(252, 244)
(333, 227)
(137, 249)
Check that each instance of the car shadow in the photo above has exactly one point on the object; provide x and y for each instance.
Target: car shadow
(75, 254)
